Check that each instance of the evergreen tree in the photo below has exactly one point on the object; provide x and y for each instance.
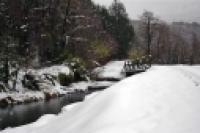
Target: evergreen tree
(9, 56)
(116, 22)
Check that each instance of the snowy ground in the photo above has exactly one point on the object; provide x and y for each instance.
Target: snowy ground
(165, 99)
(111, 70)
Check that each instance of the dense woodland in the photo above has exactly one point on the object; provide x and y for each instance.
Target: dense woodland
(36, 33)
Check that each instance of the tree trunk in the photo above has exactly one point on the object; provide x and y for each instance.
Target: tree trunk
(6, 71)
(148, 36)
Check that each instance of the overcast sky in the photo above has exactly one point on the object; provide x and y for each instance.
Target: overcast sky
(169, 10)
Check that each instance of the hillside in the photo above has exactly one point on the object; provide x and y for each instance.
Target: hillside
(47, 32)
(44, 35)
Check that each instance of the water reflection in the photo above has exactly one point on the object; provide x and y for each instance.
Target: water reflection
(24, 114)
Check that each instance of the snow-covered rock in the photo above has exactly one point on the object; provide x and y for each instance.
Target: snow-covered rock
(112, 70)
(20, 97)
(84, 84)
(33, 85)
(54, 70)
(163, 100)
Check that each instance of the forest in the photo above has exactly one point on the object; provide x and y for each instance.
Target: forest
(40, 33)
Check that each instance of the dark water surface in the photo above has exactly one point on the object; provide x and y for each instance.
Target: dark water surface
(14, 116)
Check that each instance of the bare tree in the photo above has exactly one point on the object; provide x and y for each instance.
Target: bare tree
(194, 50)
(148, 20)
(160, 41)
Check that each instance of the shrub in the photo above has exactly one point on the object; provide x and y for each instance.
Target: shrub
(64, 79)
(65, 55)
(2, 87)
(136, 54)
(77, 66)
(101, 51)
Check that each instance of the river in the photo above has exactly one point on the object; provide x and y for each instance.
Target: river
(17, 115)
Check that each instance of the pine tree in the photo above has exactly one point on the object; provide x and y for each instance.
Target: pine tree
(9, 43)
(118, 24)
(121, 27)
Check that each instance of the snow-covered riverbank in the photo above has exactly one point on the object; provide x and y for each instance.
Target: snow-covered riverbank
(162, 100)
(34, 85)
(45, 83)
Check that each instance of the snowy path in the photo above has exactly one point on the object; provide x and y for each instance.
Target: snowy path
(163, 100)
(192, 73)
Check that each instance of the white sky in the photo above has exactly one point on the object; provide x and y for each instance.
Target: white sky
(169, 10)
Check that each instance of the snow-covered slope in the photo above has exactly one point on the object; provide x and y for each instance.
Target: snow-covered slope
(163, 100)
